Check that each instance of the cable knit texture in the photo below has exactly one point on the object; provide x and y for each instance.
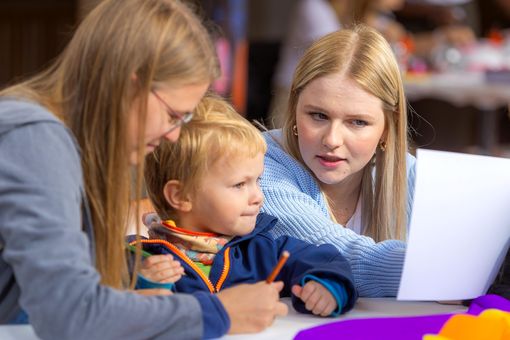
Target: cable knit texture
(293, 195)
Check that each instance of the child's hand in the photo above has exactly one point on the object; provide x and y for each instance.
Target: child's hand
(316, 297)
(161, 268)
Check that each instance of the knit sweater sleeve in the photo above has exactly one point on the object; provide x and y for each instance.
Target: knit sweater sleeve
(293, 196)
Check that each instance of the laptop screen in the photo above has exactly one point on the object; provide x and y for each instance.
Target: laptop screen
(460, 226)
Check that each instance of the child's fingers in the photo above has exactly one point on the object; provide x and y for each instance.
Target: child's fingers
(176, 265)
(157, 260)
(318, 299)
(167, 273)
(321, 306)
(296, 290)
(307, 290)
(330, 307)
(326, 302)
(310, 296)
(164, 271)
(171, 275)
(164, 264)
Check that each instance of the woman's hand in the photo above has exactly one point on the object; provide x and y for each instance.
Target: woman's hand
(162, 268)
(316, 297)
(252, 307)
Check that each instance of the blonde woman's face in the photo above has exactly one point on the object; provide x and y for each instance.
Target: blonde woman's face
(163, 105)
(339, 127)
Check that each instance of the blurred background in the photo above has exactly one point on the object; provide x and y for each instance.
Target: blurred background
(454, 56)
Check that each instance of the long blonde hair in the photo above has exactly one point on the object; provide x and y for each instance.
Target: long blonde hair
(364, 56)
(217, 132)
(120, 51)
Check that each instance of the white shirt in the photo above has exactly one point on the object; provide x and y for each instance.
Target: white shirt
(354, 222)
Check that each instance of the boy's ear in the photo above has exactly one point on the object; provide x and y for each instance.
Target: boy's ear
(173, 196)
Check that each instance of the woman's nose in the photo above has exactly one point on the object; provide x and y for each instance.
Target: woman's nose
(172, 135)
(333, 137)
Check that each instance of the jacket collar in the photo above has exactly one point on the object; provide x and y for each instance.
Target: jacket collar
(263, 224)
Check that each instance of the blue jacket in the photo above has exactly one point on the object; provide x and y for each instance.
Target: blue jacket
(251, 258)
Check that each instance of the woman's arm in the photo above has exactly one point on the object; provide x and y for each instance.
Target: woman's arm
(292, 196)
(45, 248)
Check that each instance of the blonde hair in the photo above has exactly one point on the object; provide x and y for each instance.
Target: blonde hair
(364, 56)
(216, 132)
(122, 49)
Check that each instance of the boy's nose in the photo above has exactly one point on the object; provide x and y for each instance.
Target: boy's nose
(258, 196)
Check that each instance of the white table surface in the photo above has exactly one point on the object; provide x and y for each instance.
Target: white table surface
(287, 327)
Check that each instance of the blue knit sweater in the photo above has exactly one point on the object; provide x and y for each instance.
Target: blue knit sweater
(293, 196)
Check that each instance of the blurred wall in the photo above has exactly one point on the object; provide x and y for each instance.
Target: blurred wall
(267, 27)
(32, 33)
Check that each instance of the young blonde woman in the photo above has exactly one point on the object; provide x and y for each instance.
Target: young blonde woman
(128, 79)
(338, 171)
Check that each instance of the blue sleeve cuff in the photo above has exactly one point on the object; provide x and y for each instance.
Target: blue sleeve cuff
(216, 321)
(144, 283)
(336, 289)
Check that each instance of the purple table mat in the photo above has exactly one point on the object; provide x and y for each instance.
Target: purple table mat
(397, 328)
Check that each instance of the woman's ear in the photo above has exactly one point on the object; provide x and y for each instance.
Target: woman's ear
(174, 197)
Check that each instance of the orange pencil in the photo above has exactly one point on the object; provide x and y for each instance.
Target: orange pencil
(278, 267)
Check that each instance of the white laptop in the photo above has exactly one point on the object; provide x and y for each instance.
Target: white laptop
(460, 226)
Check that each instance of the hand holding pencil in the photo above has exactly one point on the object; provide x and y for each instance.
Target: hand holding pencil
(260, 306)
(261, 302)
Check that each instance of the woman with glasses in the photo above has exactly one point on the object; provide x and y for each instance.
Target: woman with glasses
(68, 136)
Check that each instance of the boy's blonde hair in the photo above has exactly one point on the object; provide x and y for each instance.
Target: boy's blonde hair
(216, 132)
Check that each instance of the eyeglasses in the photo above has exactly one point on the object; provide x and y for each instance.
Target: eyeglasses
(175, 119)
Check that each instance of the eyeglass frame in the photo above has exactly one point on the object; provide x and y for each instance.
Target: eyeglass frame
(176, 119)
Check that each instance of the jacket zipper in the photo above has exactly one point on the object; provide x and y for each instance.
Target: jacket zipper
(185, 258)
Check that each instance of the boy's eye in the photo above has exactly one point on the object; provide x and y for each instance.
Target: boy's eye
(239, 185)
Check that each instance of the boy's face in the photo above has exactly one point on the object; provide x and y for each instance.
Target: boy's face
(229, 198)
